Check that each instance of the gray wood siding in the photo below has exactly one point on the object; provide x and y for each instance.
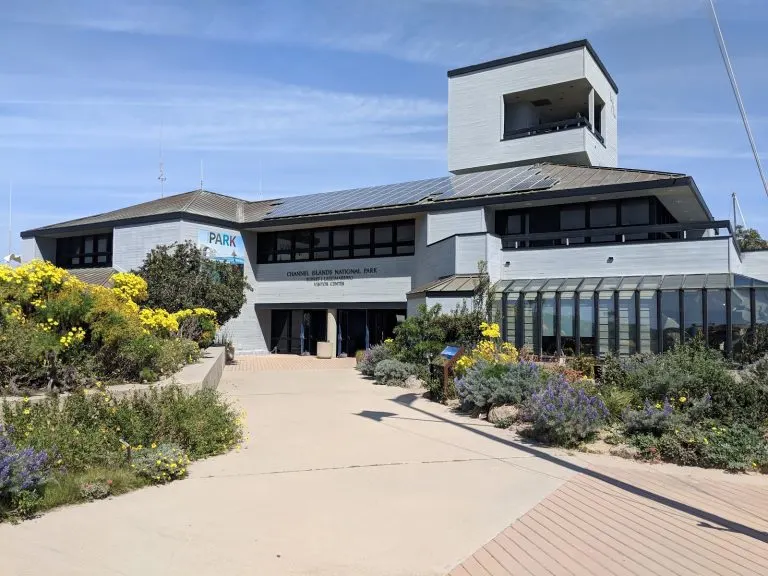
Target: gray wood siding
(469, 251)
(130, 244)
(441, 225)
(755, 265)
(692, 257)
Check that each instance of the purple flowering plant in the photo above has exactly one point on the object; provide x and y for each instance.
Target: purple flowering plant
(21, 470)
(564, 414)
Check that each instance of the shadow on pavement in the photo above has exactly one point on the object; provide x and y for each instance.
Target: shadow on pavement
(706, 518)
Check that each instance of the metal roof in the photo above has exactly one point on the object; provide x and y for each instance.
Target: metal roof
(455, 283)
(202, 203)
(630, 283)
(499, 184)
(97, 276)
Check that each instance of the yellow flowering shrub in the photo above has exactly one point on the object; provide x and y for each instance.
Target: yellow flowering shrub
(490, 350)
(130, 286)
(158, 321)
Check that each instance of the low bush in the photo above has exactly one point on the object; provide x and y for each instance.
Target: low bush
(584, 363)
(96, 489)
(85, 429)
(393, 372)
(487, 384)
(753, 346)
(372, 356)
(88, 438)
(161, 464)
(651, 419)
(736, 448)
(691, 370)
(564, 414)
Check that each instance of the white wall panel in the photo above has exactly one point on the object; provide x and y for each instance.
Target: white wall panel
(357, 280)
(755, 265)
(692, 257)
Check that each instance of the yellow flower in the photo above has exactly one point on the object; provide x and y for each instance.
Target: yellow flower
(658, 405)
(25, 399)
(26, 410)
(154, 445)
(77, 432)
(682, 399)
(754, 464)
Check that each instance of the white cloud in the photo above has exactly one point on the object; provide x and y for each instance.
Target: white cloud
(448, 32)
(255, 116)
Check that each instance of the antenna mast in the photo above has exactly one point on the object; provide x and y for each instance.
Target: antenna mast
(162, 177)
(736, 92)
(10, 217)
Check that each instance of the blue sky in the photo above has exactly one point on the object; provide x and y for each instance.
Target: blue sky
(314, 95)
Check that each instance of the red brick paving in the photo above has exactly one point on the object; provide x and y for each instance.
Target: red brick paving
(269, 362)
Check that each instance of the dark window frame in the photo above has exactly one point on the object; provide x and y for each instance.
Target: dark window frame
(657, 214)
(73, 247)
(267, 252)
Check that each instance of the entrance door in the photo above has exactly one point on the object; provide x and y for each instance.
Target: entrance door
(352, 323)
(281, 331)
(315, 329)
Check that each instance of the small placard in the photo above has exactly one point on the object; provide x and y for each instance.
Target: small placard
(449, 352)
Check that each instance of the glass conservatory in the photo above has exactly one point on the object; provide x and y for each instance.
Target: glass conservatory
(631, 314)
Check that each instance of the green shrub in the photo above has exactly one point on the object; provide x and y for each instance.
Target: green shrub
(372, 356)
(393, 372)
(584, 363)
(617, 400)
(66, 487)
(753, 346)
(96, 489)
(736, 448)
(690, 370)
(85, 429)
(181, 276)
(487, 384)
(165, 463)
(420, 337)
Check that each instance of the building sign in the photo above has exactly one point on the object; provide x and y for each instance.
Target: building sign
(224, 246)
(330, 276)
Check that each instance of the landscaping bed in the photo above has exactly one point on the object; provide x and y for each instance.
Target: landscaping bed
(689, 405)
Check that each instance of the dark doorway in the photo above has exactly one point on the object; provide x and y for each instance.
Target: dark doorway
(281, 332)
(315, 329)
(379, 325)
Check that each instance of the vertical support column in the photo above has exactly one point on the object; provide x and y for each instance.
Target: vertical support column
(332, 331)
(592, 107)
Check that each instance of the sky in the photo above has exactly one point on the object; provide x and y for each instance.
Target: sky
(285, 97)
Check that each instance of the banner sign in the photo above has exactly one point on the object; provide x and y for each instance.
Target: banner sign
(223, 246)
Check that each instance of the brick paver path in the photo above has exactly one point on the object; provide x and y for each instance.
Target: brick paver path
(632, 519)
(271, 362)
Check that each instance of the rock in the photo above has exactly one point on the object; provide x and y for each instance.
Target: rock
(414, 383)
(505, 412)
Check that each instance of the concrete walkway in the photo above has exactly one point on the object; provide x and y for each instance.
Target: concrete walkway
(342, 477)
(339, 478)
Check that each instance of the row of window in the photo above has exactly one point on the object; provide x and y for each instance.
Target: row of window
(93, 251)
(631, 322)
(587, 216)
(338, 243)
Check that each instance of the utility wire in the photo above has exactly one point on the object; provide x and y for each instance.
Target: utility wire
(737, 93)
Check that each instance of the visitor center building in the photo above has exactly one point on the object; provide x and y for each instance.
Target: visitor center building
(585, 257)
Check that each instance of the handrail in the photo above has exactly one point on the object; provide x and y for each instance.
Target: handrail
(521, 240)
(568, 124)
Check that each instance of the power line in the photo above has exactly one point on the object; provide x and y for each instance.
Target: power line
(737, 93)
